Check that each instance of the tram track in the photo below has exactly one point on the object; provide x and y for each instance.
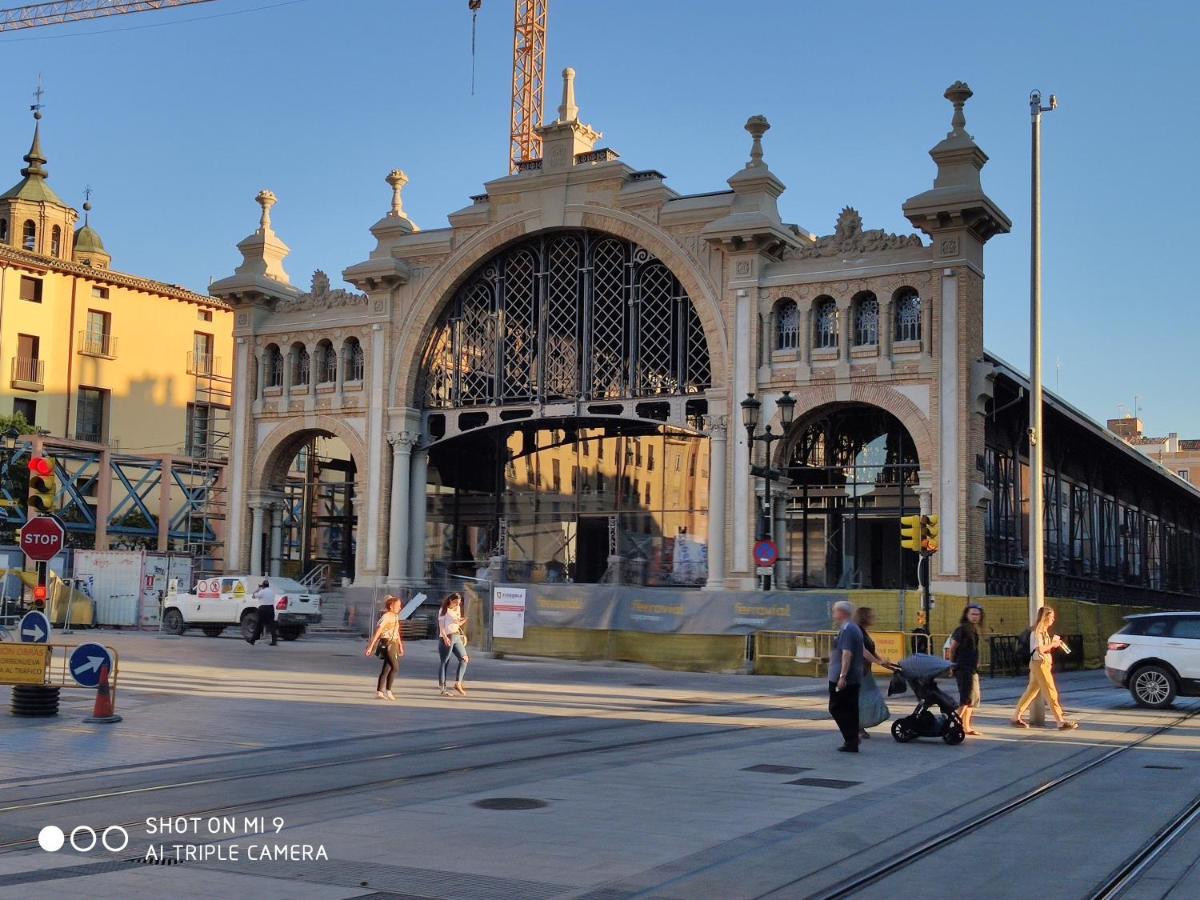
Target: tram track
(920, 851)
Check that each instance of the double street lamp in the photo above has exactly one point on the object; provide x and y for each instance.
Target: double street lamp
(751, 413)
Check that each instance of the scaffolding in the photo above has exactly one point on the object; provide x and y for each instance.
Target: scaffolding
(207, 450)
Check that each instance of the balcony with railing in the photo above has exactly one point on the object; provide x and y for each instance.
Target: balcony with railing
(202, 363)
(28, 373)
(101, 344)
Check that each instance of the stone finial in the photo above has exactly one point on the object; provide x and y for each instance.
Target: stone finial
(958, 94)
(397, 179)
(266, 200)
(757, 126)
(567, 110)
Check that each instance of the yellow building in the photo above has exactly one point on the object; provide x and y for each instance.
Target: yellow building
(90, 353)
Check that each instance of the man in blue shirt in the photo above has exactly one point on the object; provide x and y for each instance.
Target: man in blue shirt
(845, 675)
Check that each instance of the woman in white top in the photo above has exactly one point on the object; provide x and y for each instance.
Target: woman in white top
(452, 641)
(1041, 678)
(388, 641)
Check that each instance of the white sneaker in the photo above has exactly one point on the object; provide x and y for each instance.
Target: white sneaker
(379, 695)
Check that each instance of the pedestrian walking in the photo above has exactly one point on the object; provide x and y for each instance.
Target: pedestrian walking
(872, 708)
(452, 641)
(964, 653)
(845, 675)
(388, 645)
(1041, 678)
(265, 595)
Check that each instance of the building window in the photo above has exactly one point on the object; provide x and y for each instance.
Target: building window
(100, 293)
(787, 325)
(908, 315)
(29, 235)
(89, 417)
(4, 230)
(825, 324)
(205, 315)
(866, 320)
(326, 363)
(1185, 475)
(27, 366)
(97, 339)
(26, 409)
(300, 364)
(274, 367)
(202, 354)
(354, 360)
(31, 289)
(56, 241)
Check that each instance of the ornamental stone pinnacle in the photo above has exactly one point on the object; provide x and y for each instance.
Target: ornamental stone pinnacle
(958, 94)
(266, 200)
(757, 126)
(397, 179)
(568, 111)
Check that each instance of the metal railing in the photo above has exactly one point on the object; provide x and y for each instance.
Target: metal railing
(316, 578)
(202, 363)
(93, 343)
(29, 370)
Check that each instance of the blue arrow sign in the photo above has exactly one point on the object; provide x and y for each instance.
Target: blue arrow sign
(35, 628)
(86, 662)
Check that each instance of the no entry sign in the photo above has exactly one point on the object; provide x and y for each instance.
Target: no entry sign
(42, 538)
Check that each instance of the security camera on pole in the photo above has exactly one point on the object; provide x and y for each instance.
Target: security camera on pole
(1037, 522)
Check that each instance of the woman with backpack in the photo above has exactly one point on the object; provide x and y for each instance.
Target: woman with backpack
(388, 645)
(964, 653)
(1041, 678)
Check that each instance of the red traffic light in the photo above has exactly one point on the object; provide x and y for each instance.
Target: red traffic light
(39, 594)
(39, 465)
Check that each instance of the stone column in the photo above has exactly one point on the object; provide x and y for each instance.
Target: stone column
(312, 374)
(276, 537)
(288, 366)
(256, 533)
(416, 515)
(339, 377)
(397, 570)
(261, 385)
(716, 508)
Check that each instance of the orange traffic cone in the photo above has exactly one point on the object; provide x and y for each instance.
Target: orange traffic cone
(103, 710)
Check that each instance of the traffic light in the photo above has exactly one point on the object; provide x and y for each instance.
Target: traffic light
(39, 596)
(931, 533)
(43, 486)
(910, 533)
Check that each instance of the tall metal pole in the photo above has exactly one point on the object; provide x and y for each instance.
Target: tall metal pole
(1037, 523)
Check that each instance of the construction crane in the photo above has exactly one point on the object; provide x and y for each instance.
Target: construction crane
(37, 15)
(528, 77)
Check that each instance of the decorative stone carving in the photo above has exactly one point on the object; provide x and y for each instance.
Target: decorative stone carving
(320, 296)
(849, 237)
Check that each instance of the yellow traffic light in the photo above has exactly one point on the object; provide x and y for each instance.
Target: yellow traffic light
(43, 486)
(931, 533)
(910, 533)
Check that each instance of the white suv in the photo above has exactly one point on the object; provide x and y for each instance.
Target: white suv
(1156, 656)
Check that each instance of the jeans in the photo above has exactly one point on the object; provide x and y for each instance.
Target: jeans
(843, 706)
(391, 663)
(457, 648)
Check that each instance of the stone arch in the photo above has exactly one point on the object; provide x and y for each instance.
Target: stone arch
(422, 318)
(811, 401)
(276, 452)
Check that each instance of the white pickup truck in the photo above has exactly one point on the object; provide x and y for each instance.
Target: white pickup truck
(221, 602)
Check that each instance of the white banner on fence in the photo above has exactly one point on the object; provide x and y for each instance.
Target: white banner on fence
(116, 583)
(508, 612)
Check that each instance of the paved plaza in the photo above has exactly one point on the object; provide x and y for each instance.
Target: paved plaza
(554, 780)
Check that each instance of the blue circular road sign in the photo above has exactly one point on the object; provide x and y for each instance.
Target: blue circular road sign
(35, 628)
(766, 553)
(86, 662)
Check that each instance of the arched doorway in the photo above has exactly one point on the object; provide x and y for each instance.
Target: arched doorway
(854, 472)
(308, 491)
(560, 393)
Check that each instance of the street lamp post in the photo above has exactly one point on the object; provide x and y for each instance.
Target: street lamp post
(1037, 524)
(751, 410)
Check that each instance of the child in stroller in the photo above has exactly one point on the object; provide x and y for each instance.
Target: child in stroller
(920, 672)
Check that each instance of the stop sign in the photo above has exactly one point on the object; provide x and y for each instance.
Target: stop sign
(42, 538)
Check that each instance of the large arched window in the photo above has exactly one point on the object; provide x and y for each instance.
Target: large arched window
(908, 314)
(866, 319)
(352, 354)
(566, 316)
(825, 323)
(273, 367)
(56, 241)
(326, 363)
(29, 235)
(787, 325)
(301, 364)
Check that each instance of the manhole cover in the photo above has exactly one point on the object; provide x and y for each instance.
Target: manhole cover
(1168, 768)
(825, 783)
(509, 803)
(778, 770)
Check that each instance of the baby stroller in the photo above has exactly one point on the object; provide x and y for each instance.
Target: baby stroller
(920, 672)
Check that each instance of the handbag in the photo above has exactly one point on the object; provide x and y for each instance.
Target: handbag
(381, 649)
(897, 685)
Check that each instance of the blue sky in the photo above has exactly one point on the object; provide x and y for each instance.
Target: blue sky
(176, 119)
